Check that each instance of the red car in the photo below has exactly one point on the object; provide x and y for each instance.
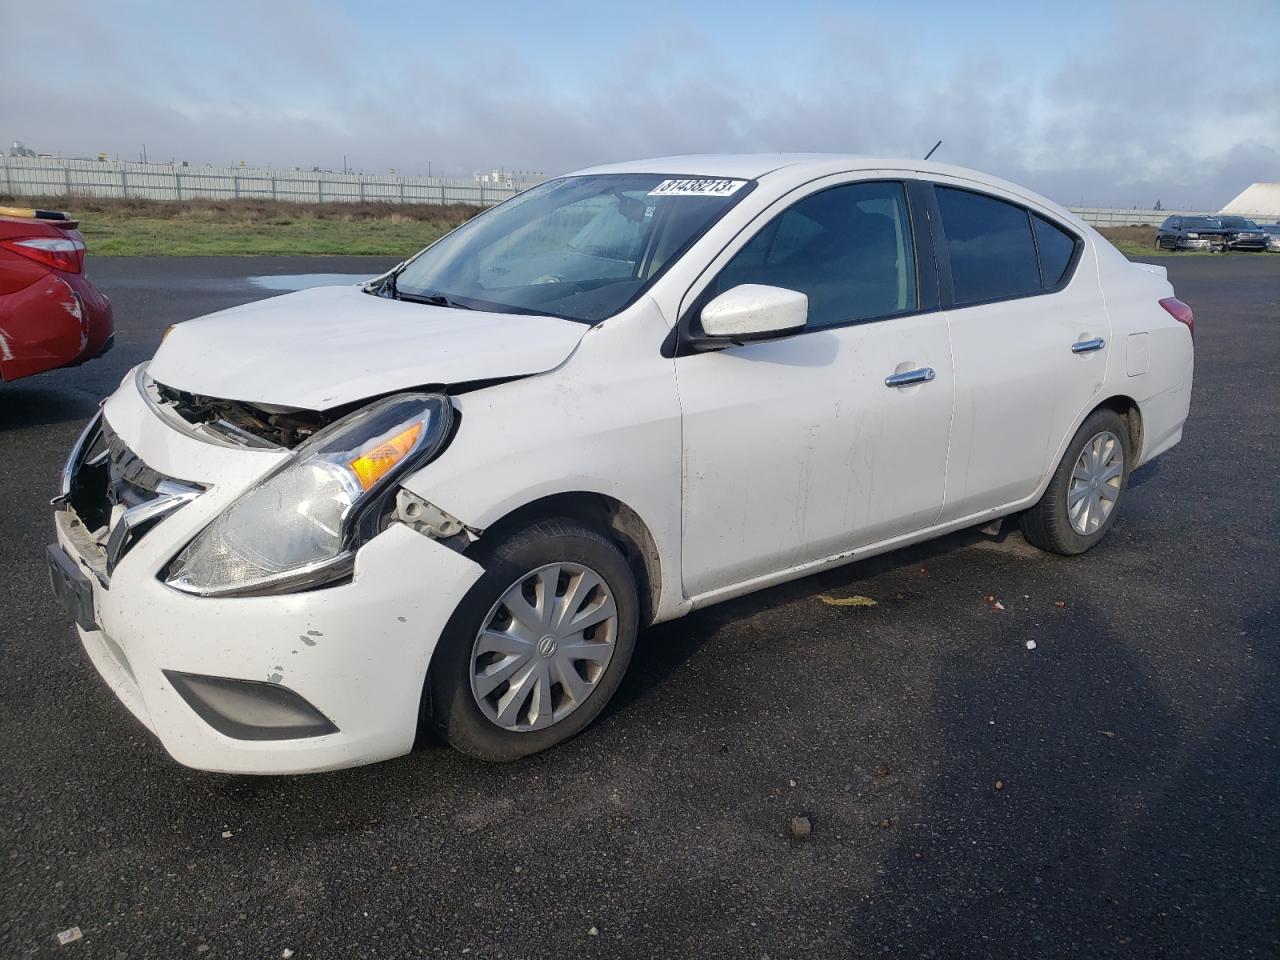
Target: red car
(50, 315)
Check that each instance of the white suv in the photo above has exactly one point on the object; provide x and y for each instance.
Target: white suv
(451, 496)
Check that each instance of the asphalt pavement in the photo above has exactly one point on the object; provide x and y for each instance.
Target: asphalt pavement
(1113, 792)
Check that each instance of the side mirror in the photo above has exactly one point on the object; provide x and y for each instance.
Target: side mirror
(752, 311)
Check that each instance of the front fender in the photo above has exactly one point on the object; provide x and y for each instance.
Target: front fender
(607, 421)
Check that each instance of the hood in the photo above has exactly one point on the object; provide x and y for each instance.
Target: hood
(329, 346)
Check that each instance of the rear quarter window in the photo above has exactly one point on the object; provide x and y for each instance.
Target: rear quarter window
(1056, 248)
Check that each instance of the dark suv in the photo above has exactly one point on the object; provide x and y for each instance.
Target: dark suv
(1191, 233)
(1243, 234)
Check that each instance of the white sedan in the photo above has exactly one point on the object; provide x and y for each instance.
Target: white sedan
(314, 526)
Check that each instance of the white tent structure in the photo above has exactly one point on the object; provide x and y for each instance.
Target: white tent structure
(1260, 200)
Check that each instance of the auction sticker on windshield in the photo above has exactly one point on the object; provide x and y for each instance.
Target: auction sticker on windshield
(696, 188)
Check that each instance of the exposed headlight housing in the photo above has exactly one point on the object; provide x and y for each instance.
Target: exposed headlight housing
(301, 525)
(1193, 236)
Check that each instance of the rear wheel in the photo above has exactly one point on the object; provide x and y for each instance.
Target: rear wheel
(1079, 505)
(539, 644)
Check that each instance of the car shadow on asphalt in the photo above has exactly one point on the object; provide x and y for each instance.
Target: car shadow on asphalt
(662, 649)
(1144, 474)
(1055, 818)
(27, 405)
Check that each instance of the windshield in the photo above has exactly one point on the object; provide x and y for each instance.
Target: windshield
(1201, 223)
(581, 248)
(1238, 223)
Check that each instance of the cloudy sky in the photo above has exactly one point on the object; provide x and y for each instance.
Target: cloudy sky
(1102, 101)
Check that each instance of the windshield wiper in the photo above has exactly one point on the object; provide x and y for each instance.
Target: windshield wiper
(434, 299)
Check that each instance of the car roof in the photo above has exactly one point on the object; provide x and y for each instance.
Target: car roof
(800, 167)
(751, 166)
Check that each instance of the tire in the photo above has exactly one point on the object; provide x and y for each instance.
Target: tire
(1050, 524)
(512, 720)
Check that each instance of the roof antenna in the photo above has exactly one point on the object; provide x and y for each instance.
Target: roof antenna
(935, 147)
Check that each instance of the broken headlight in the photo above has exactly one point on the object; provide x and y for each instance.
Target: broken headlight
(301, 525)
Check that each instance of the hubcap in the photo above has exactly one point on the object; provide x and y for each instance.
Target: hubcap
(1095, 483)
(544, 646)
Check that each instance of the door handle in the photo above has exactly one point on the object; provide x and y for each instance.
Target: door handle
(923, 375)
(1088, 346)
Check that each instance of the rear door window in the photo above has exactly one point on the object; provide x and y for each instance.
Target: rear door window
(989, 245)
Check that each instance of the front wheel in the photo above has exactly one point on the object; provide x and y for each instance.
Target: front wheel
(1079, 505)
(538, 646)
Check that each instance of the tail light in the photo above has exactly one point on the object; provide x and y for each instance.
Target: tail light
(60, 253)
(1180, 312)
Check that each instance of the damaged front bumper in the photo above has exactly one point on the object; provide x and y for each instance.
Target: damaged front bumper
(289, 683)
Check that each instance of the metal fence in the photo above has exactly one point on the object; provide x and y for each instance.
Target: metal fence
(53, 177)
(1115, 217)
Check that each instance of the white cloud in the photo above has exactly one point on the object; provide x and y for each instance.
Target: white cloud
(1176, 100)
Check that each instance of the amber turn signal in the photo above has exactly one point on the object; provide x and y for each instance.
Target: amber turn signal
(371, 466)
